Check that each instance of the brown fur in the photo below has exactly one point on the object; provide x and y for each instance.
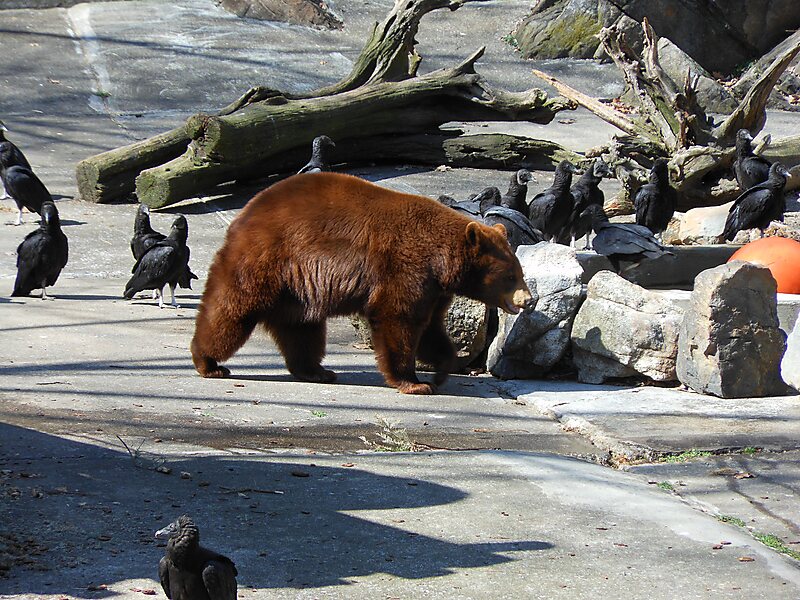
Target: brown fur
(319, 245)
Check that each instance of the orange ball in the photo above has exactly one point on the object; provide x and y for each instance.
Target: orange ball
(780, 255)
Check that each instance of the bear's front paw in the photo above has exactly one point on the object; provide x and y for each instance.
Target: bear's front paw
(425, 389)
(219, 372)
(319, 375)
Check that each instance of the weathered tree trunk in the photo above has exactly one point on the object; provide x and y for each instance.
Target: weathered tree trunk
(264, 138)
(477, 151)
(267, 132)
(112, 175)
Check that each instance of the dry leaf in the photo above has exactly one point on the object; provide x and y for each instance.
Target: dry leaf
(746, 559)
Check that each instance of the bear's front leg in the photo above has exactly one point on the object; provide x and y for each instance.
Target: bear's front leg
(435, 347)
(395, 342)
(303, 348)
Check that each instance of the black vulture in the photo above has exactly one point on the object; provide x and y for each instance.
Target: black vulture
(190, 572)
(320, 155)
(655, 201)
(26, 189)
(748, 168)
(487, 198)
(476, 206)
(758, 206)
(165, 263)
(519, 230)
(550, 210)
(10, 156)
(515, 196)
(42, 254)
(144, 236)
(622, 242)
(585, 192)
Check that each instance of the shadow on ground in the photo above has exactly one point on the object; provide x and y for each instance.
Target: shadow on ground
(76, 515)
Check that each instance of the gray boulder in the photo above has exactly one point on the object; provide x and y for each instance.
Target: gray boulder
(466, 322)
(467, 325)
(698, 226)
(565, 28)
(730, 344)
(790, 366)
(622, 330)
(529, 344)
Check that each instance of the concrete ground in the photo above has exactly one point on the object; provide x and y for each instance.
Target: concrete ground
(108, 434)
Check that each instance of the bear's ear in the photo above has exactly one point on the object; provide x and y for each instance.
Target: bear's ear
(474, 234)
(502, 229)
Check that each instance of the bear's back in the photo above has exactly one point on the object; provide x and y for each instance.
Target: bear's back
(335, 208)
(326, 196)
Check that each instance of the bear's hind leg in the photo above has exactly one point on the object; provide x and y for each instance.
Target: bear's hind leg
(303, 348)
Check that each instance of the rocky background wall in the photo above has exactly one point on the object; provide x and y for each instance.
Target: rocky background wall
(721, 36)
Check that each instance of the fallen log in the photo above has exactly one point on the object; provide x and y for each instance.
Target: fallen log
(111, 175)
(265, 137)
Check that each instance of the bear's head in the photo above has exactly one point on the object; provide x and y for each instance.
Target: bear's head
(494, 275)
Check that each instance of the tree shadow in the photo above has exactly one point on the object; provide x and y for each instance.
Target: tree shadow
(80, 515)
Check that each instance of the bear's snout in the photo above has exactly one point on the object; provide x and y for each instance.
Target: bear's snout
(519, 300)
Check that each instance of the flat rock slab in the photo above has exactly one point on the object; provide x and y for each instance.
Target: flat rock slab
(370, 526)
(759, 489)
(635, 423)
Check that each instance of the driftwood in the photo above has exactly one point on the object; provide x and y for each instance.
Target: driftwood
(267, 132)
(667, 121)
(453, 149)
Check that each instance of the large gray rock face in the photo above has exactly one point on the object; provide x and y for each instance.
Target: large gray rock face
(623, 330)
(730, 344)
(790, 366)
(564, 28)
(300, 12)
(529, 344)
(712, 96)
(720, 36)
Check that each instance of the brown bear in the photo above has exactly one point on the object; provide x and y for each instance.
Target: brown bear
(319, 245)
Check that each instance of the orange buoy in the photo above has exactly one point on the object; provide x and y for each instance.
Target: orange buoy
(780, 255)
